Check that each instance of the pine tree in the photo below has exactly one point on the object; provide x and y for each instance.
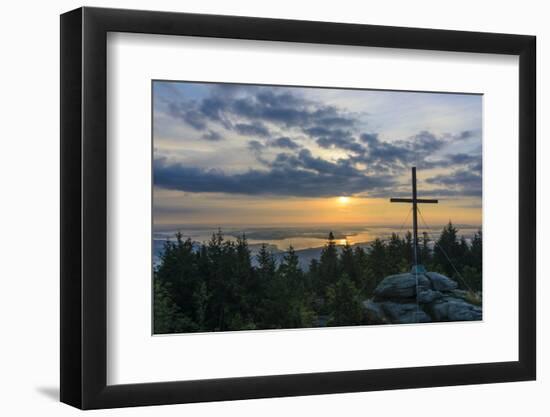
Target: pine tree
(266, 263)
(267, 311)
(328, 263)
(178, 273)
(477, 251)
(249, 292)
(408, 250)
(348, 264)
(361, 262)
(290, 269)
(377, 264)
(463, 254)
(165, 312)
(293, 302)
(446, 251)
(218, 283)
(395, 251)
(344, 303)
(425, 251)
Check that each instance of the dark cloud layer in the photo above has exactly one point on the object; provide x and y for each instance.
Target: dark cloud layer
(322, 179)
(461, 182)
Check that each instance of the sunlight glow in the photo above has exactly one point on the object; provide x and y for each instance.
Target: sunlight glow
(343, 200)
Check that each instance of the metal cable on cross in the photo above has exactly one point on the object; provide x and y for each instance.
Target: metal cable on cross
(444, 253)
(405, 221)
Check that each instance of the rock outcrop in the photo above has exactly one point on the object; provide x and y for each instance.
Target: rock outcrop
(439, 299)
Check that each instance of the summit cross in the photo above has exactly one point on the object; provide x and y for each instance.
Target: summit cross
(415, 201)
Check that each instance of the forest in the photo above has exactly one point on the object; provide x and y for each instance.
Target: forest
(219, 286)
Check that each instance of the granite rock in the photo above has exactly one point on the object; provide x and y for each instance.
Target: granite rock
(439, 299)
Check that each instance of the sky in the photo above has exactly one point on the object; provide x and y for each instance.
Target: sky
(235, 154)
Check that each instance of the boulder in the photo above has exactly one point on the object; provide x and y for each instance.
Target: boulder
(401, 313)
(459, 294)
(374, 313)
(439, 299)
(400, 286)
(427, 296)
(455, 309)
(441, 282)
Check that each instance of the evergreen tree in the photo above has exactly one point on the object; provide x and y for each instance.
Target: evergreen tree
(312, 281)
(217, 274)
(267, 311)
(447, 250)
(477, 251)
(290, 296)
(344, 303)
(425, 251)
(472, 279)
(408, 250)
(177, 273)
(166, 314)
(377, 264)
(348, 264)
(291, 272)
(200, 303)
(361, 262)
(266, 264)
(395, 250)
(328, 263)
(248, 290)
(463, 254)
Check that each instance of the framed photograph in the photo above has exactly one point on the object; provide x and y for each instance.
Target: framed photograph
(258, 208)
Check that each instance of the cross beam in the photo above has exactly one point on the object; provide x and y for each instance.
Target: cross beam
(415, 201)
(410, 200)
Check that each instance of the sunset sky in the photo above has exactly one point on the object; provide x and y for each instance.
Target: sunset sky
(232, 154)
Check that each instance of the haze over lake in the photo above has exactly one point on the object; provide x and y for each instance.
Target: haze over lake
(300, 237)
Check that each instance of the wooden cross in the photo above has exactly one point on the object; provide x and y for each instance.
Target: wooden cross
(414, 200)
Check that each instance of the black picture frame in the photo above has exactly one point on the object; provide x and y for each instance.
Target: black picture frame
(84, 207)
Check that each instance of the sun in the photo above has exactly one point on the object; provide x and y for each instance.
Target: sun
(343, 200)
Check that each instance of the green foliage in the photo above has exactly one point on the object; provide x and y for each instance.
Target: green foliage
(166, 312)
(457, 259)
(219, 285)
(344, 303)
(447, 250)
(425, 251)
(328, 264)
(377, 265)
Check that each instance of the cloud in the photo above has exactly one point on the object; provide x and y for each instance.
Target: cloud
(459, 182)
(285, 142)
(342, 143)
(253, 129)
(369, 138)
(255, 146)
(459, 177)
(426, 143)
(337, 138)
(401, 154)
(189, 115)
(320, 179)
(212, 136)
(466, 134)
(462, 158)
(252, 104)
